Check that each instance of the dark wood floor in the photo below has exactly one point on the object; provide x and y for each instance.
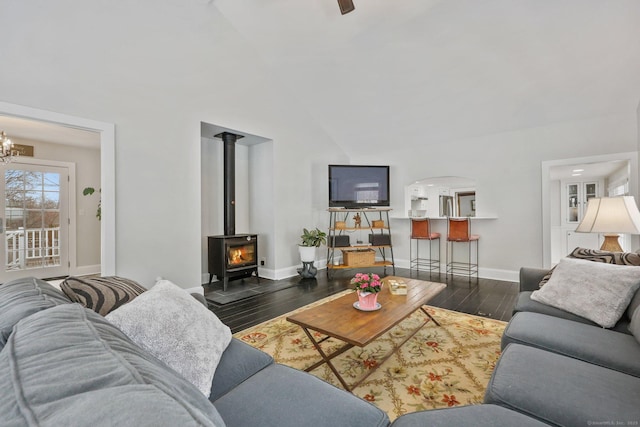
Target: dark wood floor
(489, 298)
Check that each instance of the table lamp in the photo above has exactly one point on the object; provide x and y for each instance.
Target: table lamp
(611, 215)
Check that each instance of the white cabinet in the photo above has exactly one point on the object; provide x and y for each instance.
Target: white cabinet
(573, 205)
(417, 191)
(575, 196)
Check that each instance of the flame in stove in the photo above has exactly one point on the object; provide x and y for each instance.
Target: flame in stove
(236, 256)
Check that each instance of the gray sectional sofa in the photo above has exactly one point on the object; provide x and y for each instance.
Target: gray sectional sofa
(63, 364)
(564, 369)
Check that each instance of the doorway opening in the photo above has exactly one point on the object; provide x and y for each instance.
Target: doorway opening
(106, 137)
(35, 202)
(567, 185)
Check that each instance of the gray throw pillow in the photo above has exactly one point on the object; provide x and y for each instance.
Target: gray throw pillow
(596, 255)
(177, 329)
(596, 291)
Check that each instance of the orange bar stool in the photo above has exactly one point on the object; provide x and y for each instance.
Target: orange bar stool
(421, 230)
(459, 231)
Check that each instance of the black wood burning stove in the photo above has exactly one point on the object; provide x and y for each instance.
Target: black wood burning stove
(231, 256)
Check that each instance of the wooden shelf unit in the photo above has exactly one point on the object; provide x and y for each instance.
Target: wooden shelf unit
(367, 217)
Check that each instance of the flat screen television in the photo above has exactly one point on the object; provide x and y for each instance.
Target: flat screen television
(356, 186)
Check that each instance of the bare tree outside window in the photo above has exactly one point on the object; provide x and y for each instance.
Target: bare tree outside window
(32, 215)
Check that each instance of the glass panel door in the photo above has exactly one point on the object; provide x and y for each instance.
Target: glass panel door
(35, 225)
(572, 199)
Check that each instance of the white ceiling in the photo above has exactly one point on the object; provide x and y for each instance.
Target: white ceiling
(586, 170)
(17, 127)
(440, 70)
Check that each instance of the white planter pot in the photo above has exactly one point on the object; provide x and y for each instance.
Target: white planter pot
(307, 253)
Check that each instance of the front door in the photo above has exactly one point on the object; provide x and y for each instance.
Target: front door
(35, 224)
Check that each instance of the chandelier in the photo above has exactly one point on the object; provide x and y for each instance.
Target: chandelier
(7, 153)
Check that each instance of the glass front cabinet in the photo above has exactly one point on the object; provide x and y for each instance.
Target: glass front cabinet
(575, 198)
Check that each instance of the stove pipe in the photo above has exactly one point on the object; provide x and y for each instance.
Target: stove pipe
(229, 140)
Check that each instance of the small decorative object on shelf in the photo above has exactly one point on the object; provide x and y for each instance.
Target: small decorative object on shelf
(367, 286)
(359, 258)
(357, 220)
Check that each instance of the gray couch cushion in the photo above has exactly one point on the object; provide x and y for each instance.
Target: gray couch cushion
(633, 305)
(476, 415)
(68, 366)
(589, 343)
(23, 297)
(634, 325)
(291, 398)
(597, 291)
(239, 361)
(560, 390)
(526, 304)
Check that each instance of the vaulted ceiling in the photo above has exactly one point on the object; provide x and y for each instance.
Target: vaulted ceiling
(439, 70)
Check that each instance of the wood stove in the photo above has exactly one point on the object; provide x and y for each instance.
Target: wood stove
(231, 256)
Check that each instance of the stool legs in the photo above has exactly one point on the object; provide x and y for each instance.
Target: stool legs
(469, 268)
(430, 263)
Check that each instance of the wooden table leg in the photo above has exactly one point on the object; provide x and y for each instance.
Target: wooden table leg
(327, 358)
(424, 310)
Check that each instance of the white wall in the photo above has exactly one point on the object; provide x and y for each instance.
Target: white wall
(507, 167)
(159, 69)
(157, 80)
(87, 161)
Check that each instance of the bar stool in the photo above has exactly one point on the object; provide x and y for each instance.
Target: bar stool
(421, 230)
(459, 231)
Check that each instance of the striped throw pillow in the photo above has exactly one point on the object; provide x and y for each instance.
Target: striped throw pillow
(101, 294)
(619, 258)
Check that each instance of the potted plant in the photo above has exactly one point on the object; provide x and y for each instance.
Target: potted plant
(311, 239)
(367, 286)
(89, 191)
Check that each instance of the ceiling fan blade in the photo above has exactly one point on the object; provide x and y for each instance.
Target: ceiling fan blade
(346, 6)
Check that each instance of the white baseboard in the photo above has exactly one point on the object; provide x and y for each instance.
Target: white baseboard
(196, 290)
(84, 270)
(284, 273)
(205, 278)
(483, 273)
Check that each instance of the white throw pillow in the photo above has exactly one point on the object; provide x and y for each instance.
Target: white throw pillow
(177, 329)
(596, 291)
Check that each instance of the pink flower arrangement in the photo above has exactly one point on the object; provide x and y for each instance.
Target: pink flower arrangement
(364, 282)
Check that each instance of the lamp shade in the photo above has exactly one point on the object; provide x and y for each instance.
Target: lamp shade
(611, 215)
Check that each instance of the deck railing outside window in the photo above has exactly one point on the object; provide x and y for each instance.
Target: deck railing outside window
(32, 248)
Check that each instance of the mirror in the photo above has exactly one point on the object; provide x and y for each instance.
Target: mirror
(441, 197)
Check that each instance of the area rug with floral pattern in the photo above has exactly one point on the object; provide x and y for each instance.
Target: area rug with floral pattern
(438, 367)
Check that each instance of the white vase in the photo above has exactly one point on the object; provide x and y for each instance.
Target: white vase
(307, 253)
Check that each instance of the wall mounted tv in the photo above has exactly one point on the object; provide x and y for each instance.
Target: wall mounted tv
(356, 186)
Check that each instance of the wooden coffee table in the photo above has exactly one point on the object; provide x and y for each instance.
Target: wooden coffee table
(339, 319)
